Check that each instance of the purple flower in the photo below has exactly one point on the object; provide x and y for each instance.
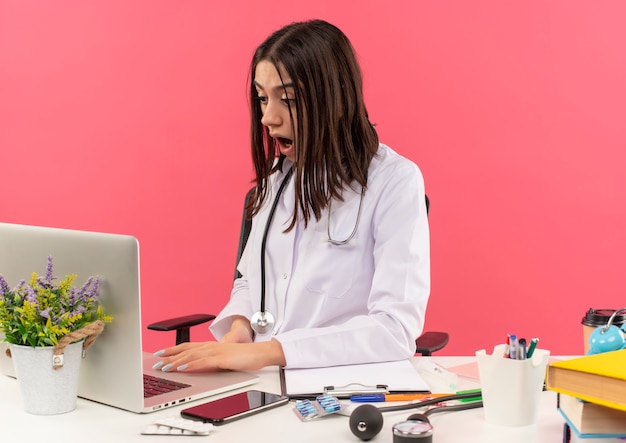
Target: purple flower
(31, 295)
(73, 296)
(89, 290)
(45, 313)
(43, 283)
(4, 286)
(93, 291)
(80, 310)
(49, 276)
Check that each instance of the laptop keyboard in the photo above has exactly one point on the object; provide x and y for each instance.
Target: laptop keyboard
(154, 385)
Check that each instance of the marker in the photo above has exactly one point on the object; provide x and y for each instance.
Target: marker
(521, 354)
(507, 346)
(531, 348)
(476, 391)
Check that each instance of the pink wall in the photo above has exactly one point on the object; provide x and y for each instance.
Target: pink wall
(131, 117)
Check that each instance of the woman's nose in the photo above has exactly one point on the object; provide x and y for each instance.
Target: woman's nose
(271, 115)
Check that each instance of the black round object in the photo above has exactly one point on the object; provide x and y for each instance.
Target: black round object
(366, 421)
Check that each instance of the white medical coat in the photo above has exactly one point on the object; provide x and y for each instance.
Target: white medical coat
(342, 304)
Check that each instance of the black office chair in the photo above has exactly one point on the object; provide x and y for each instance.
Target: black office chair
(425, 344)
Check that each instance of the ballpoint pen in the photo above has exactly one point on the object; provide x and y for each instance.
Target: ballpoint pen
(376, 398)
(513, 347)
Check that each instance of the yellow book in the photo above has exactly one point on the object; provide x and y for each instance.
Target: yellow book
(599, 378)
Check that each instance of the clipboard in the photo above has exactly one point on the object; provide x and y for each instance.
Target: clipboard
(345, 381)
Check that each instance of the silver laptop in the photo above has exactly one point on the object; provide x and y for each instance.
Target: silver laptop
(113, 371)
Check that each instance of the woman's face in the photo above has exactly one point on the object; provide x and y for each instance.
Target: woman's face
(278, 104)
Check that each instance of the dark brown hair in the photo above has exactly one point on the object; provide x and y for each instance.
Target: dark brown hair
(334, 139)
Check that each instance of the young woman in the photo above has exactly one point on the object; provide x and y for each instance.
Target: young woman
(336, 269)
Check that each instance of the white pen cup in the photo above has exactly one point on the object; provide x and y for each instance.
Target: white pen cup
(511, 389)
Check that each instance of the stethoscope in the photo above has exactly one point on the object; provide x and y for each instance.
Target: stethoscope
(263, 321)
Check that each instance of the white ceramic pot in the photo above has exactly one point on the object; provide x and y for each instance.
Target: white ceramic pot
(47, 391)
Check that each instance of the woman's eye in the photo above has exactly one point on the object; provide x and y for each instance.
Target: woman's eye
(262, 99)
(288, 101)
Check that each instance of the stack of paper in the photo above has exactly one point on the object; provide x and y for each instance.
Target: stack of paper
(343, 381)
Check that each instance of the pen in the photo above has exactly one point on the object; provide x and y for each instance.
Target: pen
(513, 347)
(376, 398)
(476, 391)
(521, 351)
(507, 347)
(531, 348)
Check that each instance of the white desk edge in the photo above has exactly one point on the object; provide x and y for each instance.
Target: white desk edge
(95, 423)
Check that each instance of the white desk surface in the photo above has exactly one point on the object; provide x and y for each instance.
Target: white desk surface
(92, 422)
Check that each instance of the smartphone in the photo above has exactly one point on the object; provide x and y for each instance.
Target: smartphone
(234, 407)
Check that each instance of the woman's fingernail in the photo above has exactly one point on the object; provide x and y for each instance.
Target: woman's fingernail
(157, 365)
(166, 368)
(158, 353)
(181, 368)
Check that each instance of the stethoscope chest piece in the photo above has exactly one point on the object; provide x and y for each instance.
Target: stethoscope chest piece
(412, 431)
(262, 322)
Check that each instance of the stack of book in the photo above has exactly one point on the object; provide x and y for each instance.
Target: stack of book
(591, 393)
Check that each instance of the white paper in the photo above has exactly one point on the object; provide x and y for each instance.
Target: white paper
(397, 376)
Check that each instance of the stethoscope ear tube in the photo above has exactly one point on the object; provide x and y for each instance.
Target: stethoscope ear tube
(263, 322)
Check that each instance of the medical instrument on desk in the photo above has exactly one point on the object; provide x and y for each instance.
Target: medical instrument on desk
(366, 421)
(608, 337)
(263, 321)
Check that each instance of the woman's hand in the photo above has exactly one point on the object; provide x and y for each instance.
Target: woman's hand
(240, 331)
(235, 351)
(209, 356)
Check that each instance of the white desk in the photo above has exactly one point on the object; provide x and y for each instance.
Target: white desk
(92, 422)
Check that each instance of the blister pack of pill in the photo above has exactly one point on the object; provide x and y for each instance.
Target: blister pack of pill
(323, 405)
(177, 426)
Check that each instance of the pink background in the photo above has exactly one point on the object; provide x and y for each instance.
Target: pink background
(131, 117)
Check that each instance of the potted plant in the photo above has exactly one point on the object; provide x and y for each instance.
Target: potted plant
(48, 325)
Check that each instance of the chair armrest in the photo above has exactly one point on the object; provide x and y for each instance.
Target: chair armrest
(429, 342)
(181, 325)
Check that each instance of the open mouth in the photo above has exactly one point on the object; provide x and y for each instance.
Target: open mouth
(286, 142)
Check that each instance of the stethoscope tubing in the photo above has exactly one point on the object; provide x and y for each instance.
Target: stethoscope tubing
(270, 217)
(258, 327)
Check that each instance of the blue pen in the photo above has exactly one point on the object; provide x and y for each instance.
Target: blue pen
(368, 398)
(513, 347)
